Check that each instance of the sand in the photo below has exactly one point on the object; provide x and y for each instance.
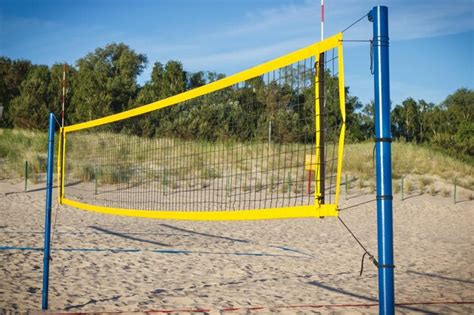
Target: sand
(104, 263)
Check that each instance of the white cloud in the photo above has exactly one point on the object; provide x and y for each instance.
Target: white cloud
(268, 33)
(249, 56)
(431, 18)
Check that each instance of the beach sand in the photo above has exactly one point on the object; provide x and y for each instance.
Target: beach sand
(104, 263)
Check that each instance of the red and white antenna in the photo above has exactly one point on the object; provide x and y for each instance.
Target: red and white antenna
(63, 98)
(322, 19)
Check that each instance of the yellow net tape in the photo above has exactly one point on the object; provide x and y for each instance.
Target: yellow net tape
(209, 155)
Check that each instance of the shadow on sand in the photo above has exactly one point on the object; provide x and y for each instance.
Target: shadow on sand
(127, 236)
(363, 297)
(433, 275)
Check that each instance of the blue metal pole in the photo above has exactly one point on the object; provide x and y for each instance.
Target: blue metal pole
(383, 137)
(47, 220)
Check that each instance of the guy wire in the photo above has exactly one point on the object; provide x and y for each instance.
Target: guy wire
(357, 21)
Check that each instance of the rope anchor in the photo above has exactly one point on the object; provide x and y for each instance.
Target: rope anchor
(366, 252)
(371, 258)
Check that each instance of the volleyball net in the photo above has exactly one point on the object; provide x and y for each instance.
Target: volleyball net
(265, 143)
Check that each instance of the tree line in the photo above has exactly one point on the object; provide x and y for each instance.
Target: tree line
(105, 82)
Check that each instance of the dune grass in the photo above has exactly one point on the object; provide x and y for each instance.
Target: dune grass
(18, 146)
(420, 162)
(423, 165)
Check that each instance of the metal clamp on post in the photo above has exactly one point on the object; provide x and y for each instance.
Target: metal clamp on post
(382, 140)
(385, 197)
(381, 40)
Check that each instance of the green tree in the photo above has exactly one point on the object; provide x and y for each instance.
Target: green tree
(451, 124)
(214, 76)
(460, 105)
(406, 120)
(30, 109)
(149, 93)
(165, 81)
(425, 110)
(196, 79)
(12, 74)
(174, 79)
(397, 118)
(412, 120)
(106, 81)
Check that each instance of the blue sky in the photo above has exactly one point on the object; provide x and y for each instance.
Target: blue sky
(431, 52)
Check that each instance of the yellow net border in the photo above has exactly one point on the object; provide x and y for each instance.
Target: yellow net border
(315, 211)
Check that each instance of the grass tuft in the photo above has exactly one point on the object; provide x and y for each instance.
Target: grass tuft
(445, 192)
(409, 186)
(396, 186)
(424, 181)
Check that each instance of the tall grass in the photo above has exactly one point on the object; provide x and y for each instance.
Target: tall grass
(18, 146)
(218, 160)
(409, 159)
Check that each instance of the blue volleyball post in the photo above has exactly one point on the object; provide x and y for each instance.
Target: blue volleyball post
(383, 138)
(47, 220)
